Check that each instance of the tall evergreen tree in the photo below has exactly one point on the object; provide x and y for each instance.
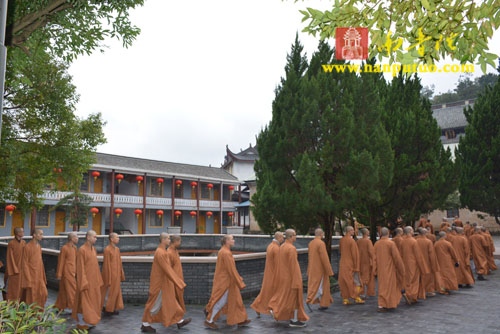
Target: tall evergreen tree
(424, 174)
(478, 155)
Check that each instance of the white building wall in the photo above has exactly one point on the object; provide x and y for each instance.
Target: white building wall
(243, 170)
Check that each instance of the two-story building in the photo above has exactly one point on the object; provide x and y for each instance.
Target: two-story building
(140, 196)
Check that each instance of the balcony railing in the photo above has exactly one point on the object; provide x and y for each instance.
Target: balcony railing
(158, 201)
(185, 202)
(209, 204)
(127, 199)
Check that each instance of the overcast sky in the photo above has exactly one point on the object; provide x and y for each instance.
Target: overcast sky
(201, 75)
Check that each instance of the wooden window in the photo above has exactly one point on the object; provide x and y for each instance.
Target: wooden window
(85, 185)
(452, 213)
(178, 220)
(155, 188)
(3, 216)
(43, 217)
(154, 220)
(205, 192)
(179, 191)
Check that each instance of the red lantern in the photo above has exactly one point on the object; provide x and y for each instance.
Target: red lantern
(137, 212)
(55, 170)
(209, 214)
(194, 184)
(178, 183)
(159, 213)
(192, 213)
(230, 214)
(177, 213)
(231, 187)
(139, 179)
(96, 174)
(118, 212)
(119, 177)
(159, 180)
(210, 186)
(94, 211)
(59, 170)
(10, 208)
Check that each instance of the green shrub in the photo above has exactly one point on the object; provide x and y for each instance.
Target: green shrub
(19, 317)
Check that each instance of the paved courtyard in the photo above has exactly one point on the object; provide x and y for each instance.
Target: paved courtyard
(474, 310)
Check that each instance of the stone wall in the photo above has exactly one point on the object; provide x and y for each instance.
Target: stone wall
(198, 271)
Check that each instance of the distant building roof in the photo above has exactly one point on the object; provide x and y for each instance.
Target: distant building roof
(250, 154)
(451, 115)
(122, 163)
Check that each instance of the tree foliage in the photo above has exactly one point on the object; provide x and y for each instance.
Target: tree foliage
(478, 155)
(466, 88)
(462, 28)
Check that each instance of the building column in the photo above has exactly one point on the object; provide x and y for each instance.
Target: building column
(198, 193)
(32, 220)
(239, 201)
(220, 207)
(144, 188)
(173, 202)
(111, 213)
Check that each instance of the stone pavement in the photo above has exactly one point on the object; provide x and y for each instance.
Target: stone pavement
(466, 311)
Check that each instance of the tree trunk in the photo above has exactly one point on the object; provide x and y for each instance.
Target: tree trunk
(328, 228)
(497, 219)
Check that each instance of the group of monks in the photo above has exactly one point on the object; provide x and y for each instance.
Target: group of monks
(405, 266)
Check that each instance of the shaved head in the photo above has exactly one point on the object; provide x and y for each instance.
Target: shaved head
(290, 233)
(349, 229)
(442, 234)
(319, 232)
(398, 231)
(111, 235)
(174, 238)
(90, 233)
(71, 235)
(460, 230)
(365, 231)
(278, 235)
(384, 231)
(422, 230)
(37, 231)
(408, 230)
(163, 236)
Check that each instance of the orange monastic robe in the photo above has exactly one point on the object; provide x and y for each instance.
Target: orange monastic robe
(66, 273)
(14, 266)
(491, 250)
(415, 268)
(349, 264)
(366, 269)
(319, 270)
(88, 286)
(226, 278)
(112, 276)
(444, 226)
(458, 223)
(468, 231)
(162, 284)
(462, 250)
(447, 258)
(175, 262)
(429, 255)
(397, 240)
(288, 296)
(270, 280)
(390, 272)
(478, 245)
(33, 280)
(431, 237)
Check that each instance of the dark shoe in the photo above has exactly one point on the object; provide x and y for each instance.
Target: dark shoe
(309, 307)
(147, 329)
(297, 324)
(323, 308)
(381, 309)
(244, 323)
(258, 314)
(481, 278)
(116, 313)
(184, 323)
(205, 312)
(468, 286)
(211, 325)
(460, 286)
(108, 314)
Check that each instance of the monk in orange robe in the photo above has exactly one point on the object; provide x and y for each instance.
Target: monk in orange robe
(319, 270)
(162, 305)
(429, 255)
(421, 223)
(447, 258)
(429, 226)
(227, 283)
(288, 303)
(270, 280)
(458, 222)
(15, 249)
(398, 238)
(66, 274)
(490, 250)
(349, 280)
(478, 245)
(33, 280)
(468, 230)
(415, 267)
(112, 276)
(175, 262)
(462, 249)
(430, 235)
(444, 225)
(366, 259)
(87, 306)
(390, 272)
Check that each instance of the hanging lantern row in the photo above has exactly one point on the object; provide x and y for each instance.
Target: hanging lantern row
(178, 183)
(94, 211)
(10, 208)
(96, 174)
(210, 186)
(159, 213)
(209, 214)
(57, 170)
(230, 214)
(118, 212)
(194, 184)
(177, 213)
(192, 213)
(139, 179)
(119, 177)
(159, 180)
(138, 212)
(231, 188)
